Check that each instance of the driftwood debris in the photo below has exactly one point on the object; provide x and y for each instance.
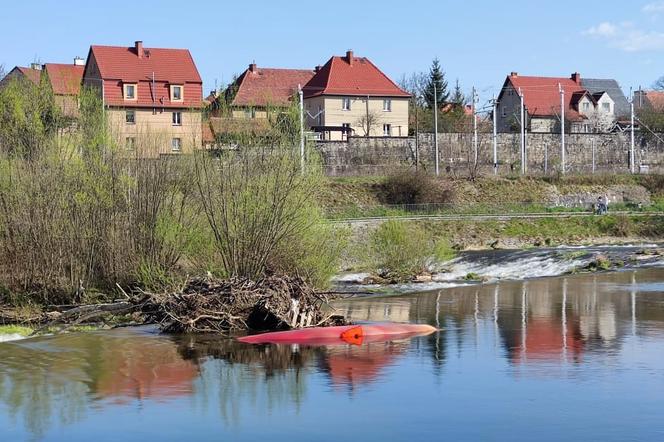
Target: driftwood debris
(208, 305)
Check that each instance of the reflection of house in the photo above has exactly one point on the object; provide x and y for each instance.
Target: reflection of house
(259, 89)
(350, 94)
(376, 312)
(144, 368)
(590, 105)
(148, 92)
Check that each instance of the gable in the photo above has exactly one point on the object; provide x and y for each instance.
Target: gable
(354, 76)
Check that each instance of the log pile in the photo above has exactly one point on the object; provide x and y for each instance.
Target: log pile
(207, 305)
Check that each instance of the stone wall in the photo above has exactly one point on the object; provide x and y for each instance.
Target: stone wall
(379, 155)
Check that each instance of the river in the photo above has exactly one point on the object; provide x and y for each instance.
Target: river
(559, 358)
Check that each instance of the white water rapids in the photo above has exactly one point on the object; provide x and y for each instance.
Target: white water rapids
(510, 265)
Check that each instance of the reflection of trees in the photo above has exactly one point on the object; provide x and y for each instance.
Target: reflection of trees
(234, 374)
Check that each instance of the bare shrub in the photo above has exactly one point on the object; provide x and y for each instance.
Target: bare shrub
(408, 186)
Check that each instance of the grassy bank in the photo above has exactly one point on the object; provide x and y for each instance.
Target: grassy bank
(356, 197)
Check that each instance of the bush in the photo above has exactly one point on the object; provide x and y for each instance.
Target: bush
(623, 226)
(262, 211)
(401, 250)
(415, 187)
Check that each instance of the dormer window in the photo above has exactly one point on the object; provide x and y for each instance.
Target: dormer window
(176, 92)
(129, 91)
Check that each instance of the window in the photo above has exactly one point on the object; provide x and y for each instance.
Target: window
(504, 111)
(176, 93)
(129, 91)
(606, 107)
(176, 144)
(586, 106)
(177, 118)
(130, 143)
(346, 131)
(130, 117)
(345, 104)
(387, 130)
(387, 105)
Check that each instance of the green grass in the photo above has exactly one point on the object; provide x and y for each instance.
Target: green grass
(15, 330)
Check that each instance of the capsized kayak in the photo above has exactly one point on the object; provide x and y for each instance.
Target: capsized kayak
(345, 334)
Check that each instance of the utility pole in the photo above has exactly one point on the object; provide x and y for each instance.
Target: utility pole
(368, 122)
(562, 128)
(301, 93)
(592, 140)
(435, 125)
(523, 137)
(475, 100)
(417, 137)
(495, 137)
(631, 150)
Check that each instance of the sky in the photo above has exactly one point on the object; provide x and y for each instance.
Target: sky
(478, 42)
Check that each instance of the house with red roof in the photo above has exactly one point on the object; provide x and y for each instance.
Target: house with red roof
(259, 89)
(349, 95)
(32, 73)
(649, 100)
(152, 96)
(587, 109)
(65, 81)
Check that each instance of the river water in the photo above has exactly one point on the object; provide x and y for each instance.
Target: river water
(562, 358)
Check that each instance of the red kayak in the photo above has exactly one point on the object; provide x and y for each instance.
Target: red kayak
(346, 334)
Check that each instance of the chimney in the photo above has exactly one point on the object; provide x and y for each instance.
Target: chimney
(349, 57)
(36, 66)
(78, 61)
(139, 48)
(318, 68)
(252, 67)
(576, 78)
(514, 74)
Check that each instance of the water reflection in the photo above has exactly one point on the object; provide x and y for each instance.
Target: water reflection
(528, 327)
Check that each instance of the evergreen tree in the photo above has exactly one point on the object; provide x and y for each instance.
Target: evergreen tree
(437, 79)
(458, 97)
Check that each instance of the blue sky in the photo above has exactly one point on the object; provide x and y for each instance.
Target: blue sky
(478, 42)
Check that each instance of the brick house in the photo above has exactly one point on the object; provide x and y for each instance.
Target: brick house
(349, 91)
(593, 106)
(153, 95)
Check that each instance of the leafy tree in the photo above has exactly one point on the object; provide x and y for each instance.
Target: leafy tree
(458, 97)
(28, 116)
(436, 81)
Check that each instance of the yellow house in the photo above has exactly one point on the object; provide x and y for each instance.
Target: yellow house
(350, 96)
(153, 97)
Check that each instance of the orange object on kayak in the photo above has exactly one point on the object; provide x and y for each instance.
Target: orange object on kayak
(353, 336)
(346, 334)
